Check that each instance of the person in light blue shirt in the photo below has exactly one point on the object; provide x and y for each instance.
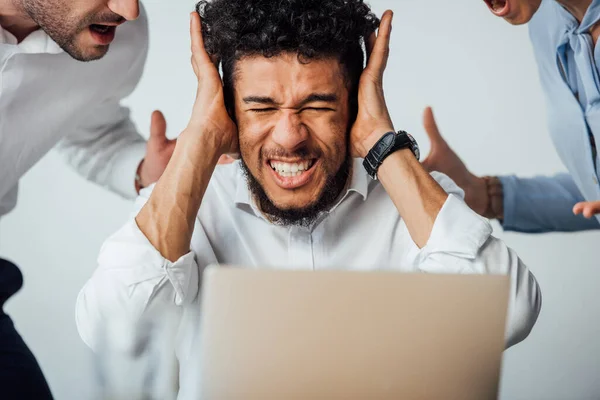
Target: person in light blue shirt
(564, 34)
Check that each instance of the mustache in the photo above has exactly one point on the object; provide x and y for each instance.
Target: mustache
(103, 18)
(282, 153)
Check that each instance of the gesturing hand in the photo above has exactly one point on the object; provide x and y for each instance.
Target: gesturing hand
(443, 159)
(373, 119)
(158, 151)
(587, 208)
(210, 119)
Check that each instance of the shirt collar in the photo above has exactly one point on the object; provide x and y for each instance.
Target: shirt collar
(359, 183)
(38, 42)
(591, 17)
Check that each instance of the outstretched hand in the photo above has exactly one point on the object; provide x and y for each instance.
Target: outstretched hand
(587, 208)
(443, 159)
(159, 150)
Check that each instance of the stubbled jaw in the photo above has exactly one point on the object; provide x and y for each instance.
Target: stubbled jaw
(292, 174)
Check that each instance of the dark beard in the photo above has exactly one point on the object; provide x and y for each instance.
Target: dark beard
(304, 217)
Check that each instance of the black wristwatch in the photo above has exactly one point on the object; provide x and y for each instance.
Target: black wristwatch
(388, 144)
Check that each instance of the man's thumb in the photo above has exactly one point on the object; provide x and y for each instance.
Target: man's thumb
(158, 127)
(431, 128)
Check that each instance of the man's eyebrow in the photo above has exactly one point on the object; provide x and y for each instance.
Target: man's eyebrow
(319, 97)
(312, 98)
(260, 100)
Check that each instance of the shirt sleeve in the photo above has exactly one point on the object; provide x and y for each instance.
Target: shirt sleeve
(461, 242)
(543, 204)
(133, 280)
(107, 148)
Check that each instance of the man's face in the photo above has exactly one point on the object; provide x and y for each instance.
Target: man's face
(516, 12)
(293, 123)
(82, 28)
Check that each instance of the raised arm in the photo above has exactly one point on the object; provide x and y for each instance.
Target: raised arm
(451, 238)
(417, 196)
(167, 219)
(147, 265)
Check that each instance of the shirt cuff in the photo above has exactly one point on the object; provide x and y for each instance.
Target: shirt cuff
(125, 165)
(457, 231)
(183, 273)
(130, 247)
(509, 188)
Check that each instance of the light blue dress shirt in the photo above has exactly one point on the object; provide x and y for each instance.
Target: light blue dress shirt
(567, 64)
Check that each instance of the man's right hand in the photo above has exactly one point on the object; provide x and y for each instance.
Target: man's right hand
(210, 120)
(443, 159)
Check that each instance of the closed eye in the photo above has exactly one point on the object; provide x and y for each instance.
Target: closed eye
(263, 110)
(318, 109)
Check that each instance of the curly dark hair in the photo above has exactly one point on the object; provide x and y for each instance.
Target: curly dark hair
(233, 29)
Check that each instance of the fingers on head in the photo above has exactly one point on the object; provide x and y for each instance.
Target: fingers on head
(380, 48)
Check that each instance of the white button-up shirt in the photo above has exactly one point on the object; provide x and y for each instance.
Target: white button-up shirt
(363, 231)
(46, 96)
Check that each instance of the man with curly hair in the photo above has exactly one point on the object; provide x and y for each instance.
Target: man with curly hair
(297, 105)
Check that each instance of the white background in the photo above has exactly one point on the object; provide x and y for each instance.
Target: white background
(479, 74)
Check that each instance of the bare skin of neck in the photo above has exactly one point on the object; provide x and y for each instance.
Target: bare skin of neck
(15, 20)
(578, 8)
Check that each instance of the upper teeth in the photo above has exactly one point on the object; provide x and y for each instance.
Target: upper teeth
(290, 169)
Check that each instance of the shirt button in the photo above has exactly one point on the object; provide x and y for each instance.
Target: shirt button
(595, 180)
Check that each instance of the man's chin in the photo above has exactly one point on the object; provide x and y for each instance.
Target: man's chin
(289, 216)
(519, 20)
(85, 52)
(91, 53)
(292, 210)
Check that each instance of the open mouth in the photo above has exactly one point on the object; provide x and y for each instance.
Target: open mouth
(104, 34)
(292, 175)
(498, 7)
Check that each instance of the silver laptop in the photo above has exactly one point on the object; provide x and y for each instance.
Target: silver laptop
(276, 334)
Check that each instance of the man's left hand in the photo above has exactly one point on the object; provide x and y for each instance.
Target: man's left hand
(158, 151)
(587, 208)
(373, 119)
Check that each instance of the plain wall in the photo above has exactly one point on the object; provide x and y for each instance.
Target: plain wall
(479, 74)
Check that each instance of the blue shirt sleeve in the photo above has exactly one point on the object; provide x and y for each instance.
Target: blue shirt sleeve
(543, 204)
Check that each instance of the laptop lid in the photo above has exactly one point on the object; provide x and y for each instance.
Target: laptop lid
(278, 334)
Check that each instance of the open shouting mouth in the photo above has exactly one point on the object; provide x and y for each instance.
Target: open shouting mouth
(500, 8)
(103, 34)
(292, 174)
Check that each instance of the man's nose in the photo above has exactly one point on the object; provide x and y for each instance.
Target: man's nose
(128, 9)
(290, 133)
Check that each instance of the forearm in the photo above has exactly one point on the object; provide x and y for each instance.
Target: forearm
(543, 204)
(460, 242)
(134, 282)
(107, 157)
(416, 195)
(167, 219)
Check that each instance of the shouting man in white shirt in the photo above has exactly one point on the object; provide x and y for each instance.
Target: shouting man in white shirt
(297, 105)
(47, 96)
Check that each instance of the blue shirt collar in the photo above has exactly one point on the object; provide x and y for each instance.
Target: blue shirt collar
(590, 18)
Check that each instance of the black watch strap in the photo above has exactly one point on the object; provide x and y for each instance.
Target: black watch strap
(388, 144)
